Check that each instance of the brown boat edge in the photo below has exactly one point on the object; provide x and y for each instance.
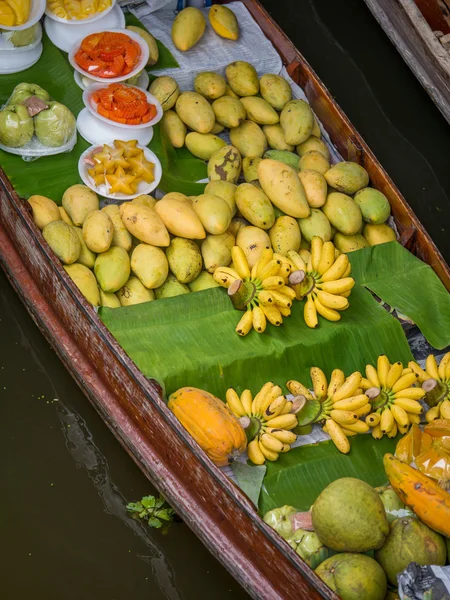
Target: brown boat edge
(410, 25)
(132, 406)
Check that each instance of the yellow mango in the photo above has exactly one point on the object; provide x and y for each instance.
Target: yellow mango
(378, 234)
(297, 121)
(242, 78)
(214, 213)
(44, 210)
(195, 111)
(98, 230)
(133, 292)
(255, 206)
(166, 91)
(250, 168)
(260, 111)
(343, 213)
(275, 138)
(285, 235)
(112, 269)
(216, 250)
(188, 28)
(63, 240)
(203, 145)
(150, 265)
(224, 21)
(86, 256)
(314, 161)
(179, 217)
(185, 259)
(229, 112)
(210, 85)
(249, 139)
(144, 223)
(283, 187)
(315, 187)
(121, 235)
(85, 281)
(225, 165)
(313, 143)
(174, 127)
(225, 190)
(79, 200)
(275, 90)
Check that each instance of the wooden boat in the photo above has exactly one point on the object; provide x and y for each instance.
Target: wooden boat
(132, 405)
(410, 25)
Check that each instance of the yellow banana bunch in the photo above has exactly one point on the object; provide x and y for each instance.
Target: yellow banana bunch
(267, 418)
(323, 280)
(342, 404)
(435, 380)
(394, 397)
(261, 292)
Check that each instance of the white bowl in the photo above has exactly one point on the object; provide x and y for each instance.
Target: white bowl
(6, 47)
(92, 19)
(36, 12)
(95, 131)
(142, 82)
(65, 37)
(91, 105)
(14, 63)
(140, 65)
(143, 188)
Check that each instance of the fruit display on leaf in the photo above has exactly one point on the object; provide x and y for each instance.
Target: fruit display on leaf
(108, 54)
(268, 419)
(124, 104)
(435, 381)
(340, 405)
(77, 9)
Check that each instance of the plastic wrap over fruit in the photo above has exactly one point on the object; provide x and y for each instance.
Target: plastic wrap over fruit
(54, 126)
(280, 520)
(435, 462)
(394, 507)
(16, 126)
(308, 546)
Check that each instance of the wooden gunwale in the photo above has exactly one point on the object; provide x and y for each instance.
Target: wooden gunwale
(132, 406)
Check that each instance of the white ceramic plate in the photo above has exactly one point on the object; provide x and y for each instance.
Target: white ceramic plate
(36, 12)
(6, 47)
(138, 68)
(143, 188)
(92, 19)
(142, 82)
(91, 105)
(65, 37)
(95, 131)
(14, 63)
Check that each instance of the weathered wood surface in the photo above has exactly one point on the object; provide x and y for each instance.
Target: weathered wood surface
(413, 37)
(131, 405)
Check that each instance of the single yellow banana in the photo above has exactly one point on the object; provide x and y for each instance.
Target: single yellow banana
(275, 408)
(268, 454)
(225, 276)
(326, 258)
(337, 270)
(272, 268)
(366, 384)
(319, 382)
(348, 388)
(234, 403)
(259, 320)
(363, 411)
(406, 370)
(254, 271)
(305, 254)
(286, 437)
(387, 420)
(415, 393)
(287, 291)
(316, 251)
(415, 419)
(393, 431)
(431, 366)
(444, 365)
(273, 315)
(347, 432)
(400, 415)
(338, 437)
(358, 427)
(332, 301)
(404, 382)
(347, 271)
(285, 448)
(336, 380)
(327, 313)
(287, 408)
(246, 323)
(373, 419)
(297, 260)
(310, 313)
(351, 403)
(402, 430)
(273, 283)
(445, 409)
(298, 389)
(283, 422)
(394, 374)
(255, 454)
(246, 401)
(422, 375)
(343, 417)
(383, 366)
(269, 397)
(240, 262)
(260, 396)
(281, 299)
(372, 376)
(411, 406)
(285, 312)
(284, 271)
(377, 433)
(265, 257)
(338, 286)
(270, 442)
(433, 413)
(265, 298)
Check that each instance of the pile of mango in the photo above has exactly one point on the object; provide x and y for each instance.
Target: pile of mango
(275, 139)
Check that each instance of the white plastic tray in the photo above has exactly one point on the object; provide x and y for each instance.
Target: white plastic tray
(16, 62)
(143, 188)
(92, 19)
(142, 82)
(64, 36)
(91, 105)
(139, 67)
(36, 12)
(95, 131)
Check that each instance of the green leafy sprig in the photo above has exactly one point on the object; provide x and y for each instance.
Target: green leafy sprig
(155, 511)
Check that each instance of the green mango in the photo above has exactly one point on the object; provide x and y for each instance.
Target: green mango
(288, 158)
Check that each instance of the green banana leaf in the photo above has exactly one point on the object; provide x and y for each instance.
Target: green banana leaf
(50, 176)
(190, 340)
(299, 476)
(166, 59)
(407, 284)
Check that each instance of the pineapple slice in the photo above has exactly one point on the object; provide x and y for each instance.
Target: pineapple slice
(7, 15)
(21, 9)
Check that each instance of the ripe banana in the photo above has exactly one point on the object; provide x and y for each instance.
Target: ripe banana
(435, 382)
(319, 382)
(234, 402)
(240, 262)
(245, 324)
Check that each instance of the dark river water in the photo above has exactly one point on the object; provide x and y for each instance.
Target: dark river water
(65, 480)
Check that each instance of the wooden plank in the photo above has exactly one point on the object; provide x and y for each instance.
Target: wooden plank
(407, 29)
